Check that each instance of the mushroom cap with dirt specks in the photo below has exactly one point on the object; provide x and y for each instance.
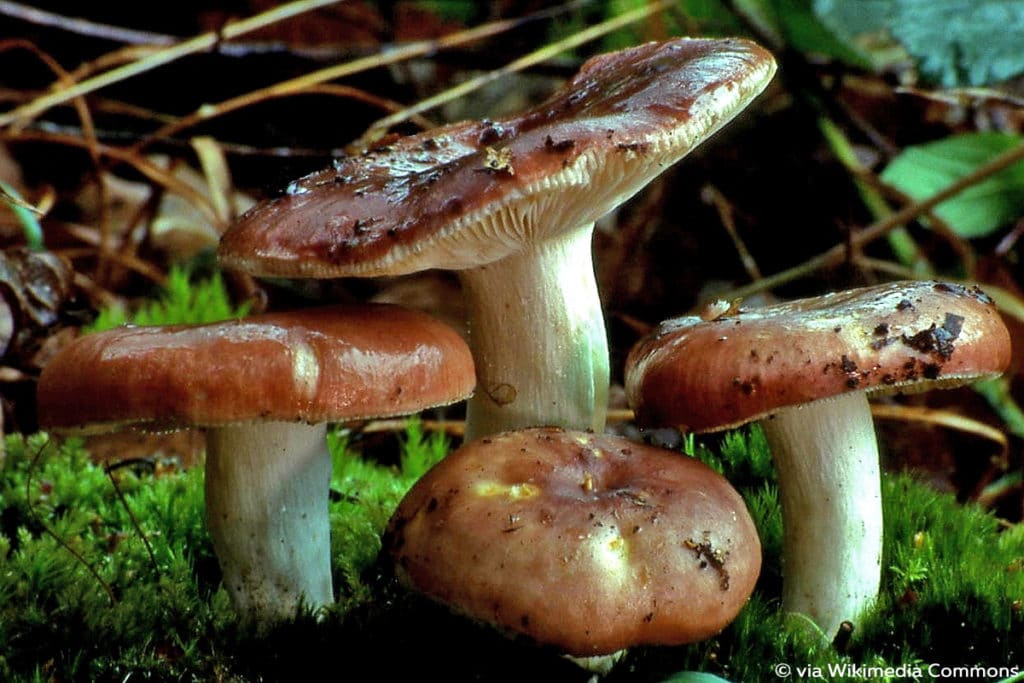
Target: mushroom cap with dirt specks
(316, 365)
(588, 543)
(471, 193)
(708, 375)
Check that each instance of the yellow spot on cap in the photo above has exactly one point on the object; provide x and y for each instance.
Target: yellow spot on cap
(588, 443)
(610, 551)
(512, 491)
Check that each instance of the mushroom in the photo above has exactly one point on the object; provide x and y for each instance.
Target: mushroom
(804, 370)
(586, 543)
(264, 388)
(510, 205)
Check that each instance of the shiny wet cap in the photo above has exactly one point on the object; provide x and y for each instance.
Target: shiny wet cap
(470, 193)
(703, 375)
(334, 363)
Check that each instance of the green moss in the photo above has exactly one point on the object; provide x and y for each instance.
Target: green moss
(184, 299)
(95, 604)
(78, 587)
(364, 495)
(953, 584)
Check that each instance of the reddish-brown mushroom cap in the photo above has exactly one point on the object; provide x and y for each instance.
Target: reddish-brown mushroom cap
(587, 543)
(472, 192)
(511, 205)
(707, 375)
(315, 365)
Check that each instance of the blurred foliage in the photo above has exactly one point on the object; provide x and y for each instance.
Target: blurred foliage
(962, 42)
(802, 28)
(30, 227)
(453, 10)
(922, 170)
(955, 43)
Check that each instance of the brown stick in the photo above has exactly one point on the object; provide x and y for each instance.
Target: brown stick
(837, 254)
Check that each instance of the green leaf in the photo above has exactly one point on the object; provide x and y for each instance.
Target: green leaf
(954, 42)
(962, 42)
(864, 26)
(923, 170)
(855, 17)
(30, 226)
(805, 31)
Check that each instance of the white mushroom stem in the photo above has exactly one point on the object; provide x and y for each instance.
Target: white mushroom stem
(826, 454)
(267, 487)
(538, 339)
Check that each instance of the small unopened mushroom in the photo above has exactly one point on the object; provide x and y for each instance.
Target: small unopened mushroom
(510, 205)
(264, 388)
(587, 543)
(804, 369)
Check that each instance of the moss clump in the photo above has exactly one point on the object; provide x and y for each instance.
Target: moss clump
(364, 494)
(953, 585)
(85, 594)
(185, 299)
(82, 593)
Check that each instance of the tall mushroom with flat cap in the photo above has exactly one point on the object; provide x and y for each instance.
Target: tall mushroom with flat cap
(583, 542)
(264, 388)
(804, 369)
(511, 204)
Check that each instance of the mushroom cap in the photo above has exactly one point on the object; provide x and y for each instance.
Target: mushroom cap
(471, 193)
(707, 375)
(315, 365)
(590, 543)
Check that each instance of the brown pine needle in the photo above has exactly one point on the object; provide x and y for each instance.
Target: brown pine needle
(200, 43)
(145, 166)
(712, 195)
(838, 253)
(457, 427)
(381, 127)
(941, 418)
(81, 26)
(388, 57)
